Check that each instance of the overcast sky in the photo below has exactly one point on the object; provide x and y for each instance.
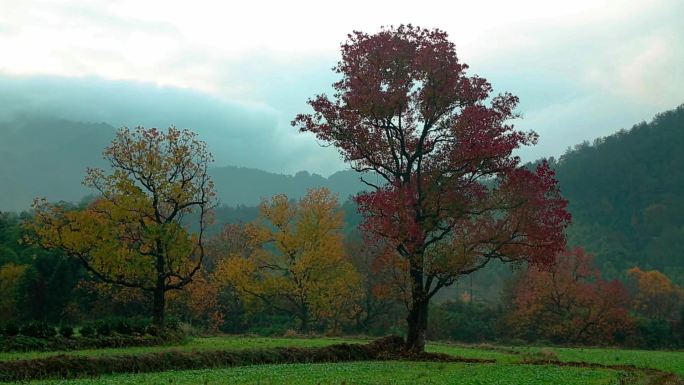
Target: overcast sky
(582, 69)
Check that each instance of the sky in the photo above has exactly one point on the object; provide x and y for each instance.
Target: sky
(238, 72)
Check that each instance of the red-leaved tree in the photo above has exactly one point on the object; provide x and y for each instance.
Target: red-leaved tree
(453, 197)
(569, 302)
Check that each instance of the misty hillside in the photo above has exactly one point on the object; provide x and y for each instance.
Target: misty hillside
(246, 186)
(626, 194)
(48, 157)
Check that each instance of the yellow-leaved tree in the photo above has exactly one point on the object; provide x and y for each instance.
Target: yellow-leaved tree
(654, 295)
(136, 233)
(298, 265)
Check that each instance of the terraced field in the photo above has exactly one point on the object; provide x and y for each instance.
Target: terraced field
(669, 361)
(513, 365)
(204, 343)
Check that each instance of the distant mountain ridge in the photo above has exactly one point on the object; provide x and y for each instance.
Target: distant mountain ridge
(255, 184)
(47, 157)
(43, 156)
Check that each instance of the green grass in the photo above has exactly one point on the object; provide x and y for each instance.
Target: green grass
(360, 373)
(500, 355)
(670, 361)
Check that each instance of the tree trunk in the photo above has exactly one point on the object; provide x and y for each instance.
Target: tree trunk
(304, 327)
(159, 304)
(417, 325)
(418, 312)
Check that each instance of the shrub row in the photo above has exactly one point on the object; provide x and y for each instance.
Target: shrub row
(100, 329)
(71, 366)
(122, 326)
(21, 343)
(32, 329)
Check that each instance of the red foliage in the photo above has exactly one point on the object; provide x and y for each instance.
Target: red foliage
(454, 196)
(570, 302)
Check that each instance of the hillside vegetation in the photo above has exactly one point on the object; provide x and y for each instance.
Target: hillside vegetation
(626, 196)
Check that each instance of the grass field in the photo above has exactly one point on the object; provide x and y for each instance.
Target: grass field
(669, 361)
(358, 373)
(506, 370)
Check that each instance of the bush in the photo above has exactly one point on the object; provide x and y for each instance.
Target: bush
(652, 333)
(104, 329)
(270, 325)
(24, 343)
(87, 331)
(464, 322)
(10, 329)
(153, 330)
(66, 331)
(138, 326)
(38, 330)
(172, 323)
(123, 327)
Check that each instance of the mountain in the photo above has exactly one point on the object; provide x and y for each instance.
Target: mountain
(47, 157)
(247, 186)
(626, 195)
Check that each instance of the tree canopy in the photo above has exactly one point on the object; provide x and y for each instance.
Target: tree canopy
(454, 195)
(298, 265)
(133, 234)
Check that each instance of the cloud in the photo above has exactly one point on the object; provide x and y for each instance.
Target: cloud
(586, 77)
(237, 134)
(582, 69)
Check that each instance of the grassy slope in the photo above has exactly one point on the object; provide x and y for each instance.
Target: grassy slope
(358, 373)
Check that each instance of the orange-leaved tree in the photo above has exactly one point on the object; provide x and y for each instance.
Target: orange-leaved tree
(136, 232)
(203, 301)
(298, 265)
(199, 302)
(654, 295)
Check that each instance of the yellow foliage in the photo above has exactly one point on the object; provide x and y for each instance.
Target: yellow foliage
(301, 266)
(655, 295)
(133, 234)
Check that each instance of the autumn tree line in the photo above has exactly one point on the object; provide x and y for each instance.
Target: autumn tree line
(239, 290)
(446, 197)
